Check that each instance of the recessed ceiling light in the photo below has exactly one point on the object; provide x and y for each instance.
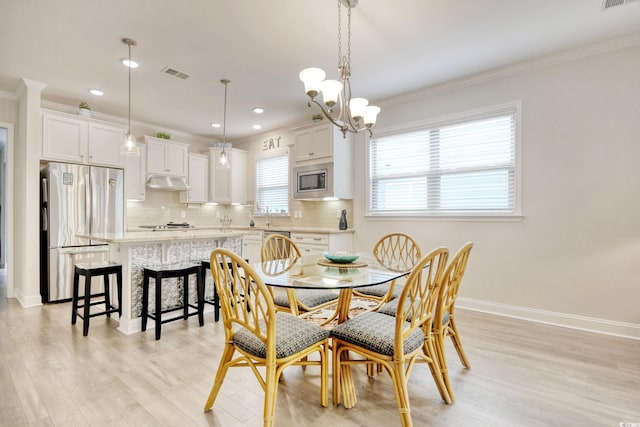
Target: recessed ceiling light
(215, 125)
(96, 92)
(130, 64)
(258, 110)
(256, 127)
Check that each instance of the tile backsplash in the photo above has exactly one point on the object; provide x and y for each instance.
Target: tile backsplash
(161, 207)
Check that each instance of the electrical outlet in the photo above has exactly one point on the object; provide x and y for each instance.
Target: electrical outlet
(338, 212)
(300, 213)
(183, 214)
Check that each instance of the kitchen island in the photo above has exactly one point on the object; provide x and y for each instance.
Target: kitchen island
(138, 249)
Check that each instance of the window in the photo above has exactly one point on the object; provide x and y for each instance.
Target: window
(462, 167)
(272, 185)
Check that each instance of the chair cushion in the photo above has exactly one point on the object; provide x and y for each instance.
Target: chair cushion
(391, 307)
(292, 336)
(376, 332)
(380, 290)
(309, 297)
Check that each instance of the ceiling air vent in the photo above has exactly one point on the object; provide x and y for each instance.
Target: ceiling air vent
(176, 73)
(606, 4)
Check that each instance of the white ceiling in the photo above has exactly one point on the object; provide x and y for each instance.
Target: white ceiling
(261, 45)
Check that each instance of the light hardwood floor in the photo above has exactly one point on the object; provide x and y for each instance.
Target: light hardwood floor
(523, 374)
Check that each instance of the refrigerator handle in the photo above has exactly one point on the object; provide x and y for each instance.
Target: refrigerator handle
(45, 219)
(45, 190)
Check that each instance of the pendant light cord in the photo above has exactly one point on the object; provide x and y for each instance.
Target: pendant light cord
(129, 130)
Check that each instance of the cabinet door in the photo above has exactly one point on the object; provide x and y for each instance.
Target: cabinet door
(104, 144)
(311, 243)
(238, 176)
(251, 249)
(314, 143)
(176, 159)
(64, 138)
(134, 176)
(155, 157)
(198, 180)
(219, 188)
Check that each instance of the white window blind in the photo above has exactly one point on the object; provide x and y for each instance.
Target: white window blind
(462, 168)
(272, 185)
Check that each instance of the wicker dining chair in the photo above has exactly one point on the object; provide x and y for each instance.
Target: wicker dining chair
(397, 342)
(279, 246)
(397, 252)
(445, 311)
(262, 337)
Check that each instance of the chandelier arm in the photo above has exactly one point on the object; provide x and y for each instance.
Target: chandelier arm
(342, 126)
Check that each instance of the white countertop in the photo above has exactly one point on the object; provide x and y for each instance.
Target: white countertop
(159, 236)
(236, 228)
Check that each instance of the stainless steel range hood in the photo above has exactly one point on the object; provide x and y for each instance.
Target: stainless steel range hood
(168, 183)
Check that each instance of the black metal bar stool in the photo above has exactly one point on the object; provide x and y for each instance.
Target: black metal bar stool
(166, 271)
(88, 270)
(206, 265)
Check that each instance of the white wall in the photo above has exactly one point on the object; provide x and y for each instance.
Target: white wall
(577, 249)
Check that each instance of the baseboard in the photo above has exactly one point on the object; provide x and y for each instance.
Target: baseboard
(27, 301)
(583, 323)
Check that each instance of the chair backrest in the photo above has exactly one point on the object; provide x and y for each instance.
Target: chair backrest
(244, 298)
(397, 251)
(278, 246)
(451, 279)
(419, 297)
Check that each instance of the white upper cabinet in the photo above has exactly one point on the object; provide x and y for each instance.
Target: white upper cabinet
(198, 180)
(74, 139)
(238, 176)
(315, 142)
(166, 157)
(219, 188)
(228, 185)
(134, 175)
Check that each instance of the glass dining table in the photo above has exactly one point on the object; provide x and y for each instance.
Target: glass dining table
(318, 274)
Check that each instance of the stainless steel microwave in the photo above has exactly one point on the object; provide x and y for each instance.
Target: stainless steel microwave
(313, 181)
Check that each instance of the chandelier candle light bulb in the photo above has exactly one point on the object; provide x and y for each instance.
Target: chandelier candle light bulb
(355, 114)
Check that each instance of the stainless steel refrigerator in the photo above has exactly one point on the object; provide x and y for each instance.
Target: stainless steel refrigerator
(75, 199)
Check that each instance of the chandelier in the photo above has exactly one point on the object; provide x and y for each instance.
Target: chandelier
(355, 115)
(129, 146)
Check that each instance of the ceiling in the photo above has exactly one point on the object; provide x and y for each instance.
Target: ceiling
(261, 46)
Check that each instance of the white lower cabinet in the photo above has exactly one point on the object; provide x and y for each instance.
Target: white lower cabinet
(316, 243)
(251, 246)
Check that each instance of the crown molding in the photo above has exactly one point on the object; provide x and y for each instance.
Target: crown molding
(607, 46)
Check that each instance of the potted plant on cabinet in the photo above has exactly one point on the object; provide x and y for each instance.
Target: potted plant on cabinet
(85, 109)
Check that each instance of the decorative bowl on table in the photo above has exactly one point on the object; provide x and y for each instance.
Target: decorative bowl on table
(341, 257)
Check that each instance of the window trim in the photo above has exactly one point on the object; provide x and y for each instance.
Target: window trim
(514, 107)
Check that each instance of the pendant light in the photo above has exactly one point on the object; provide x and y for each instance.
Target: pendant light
(223, 159)
(129, 146)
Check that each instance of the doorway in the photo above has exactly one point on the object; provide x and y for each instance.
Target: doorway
(6, 217)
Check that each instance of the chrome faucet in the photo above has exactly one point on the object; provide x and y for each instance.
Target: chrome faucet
(268, 221)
